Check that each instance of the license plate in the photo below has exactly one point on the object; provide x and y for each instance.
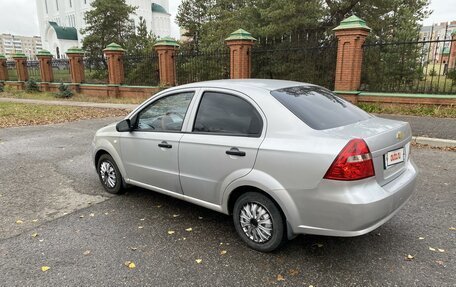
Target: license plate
(394, 157)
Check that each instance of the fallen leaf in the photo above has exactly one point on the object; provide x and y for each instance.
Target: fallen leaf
(189, 229)
(45, 268)
(92, 214)
(293, 272)
(409, 257)
(420, 238)
(183, 238)
(280, 278)
(34, 220)
(19, 221)
(140, 227)
(319, 245)
(175, 215)
(452, 228)
(170, 232)
(130, 264)
(142, 219)
(87, 252)
(432, 249)
(81, 216)
(223, 252)
(158, 206)
(200, 217)
(34, 234)
(311, 286)
(441, 250)
(134, 248)
(40, 240)
(106, 213)
(199, 261)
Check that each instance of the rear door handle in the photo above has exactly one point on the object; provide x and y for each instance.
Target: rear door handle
(164, 144)
(235, 151)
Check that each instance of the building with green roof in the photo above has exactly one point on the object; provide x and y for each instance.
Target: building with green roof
(61, 21)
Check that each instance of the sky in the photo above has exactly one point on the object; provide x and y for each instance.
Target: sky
(26, 22)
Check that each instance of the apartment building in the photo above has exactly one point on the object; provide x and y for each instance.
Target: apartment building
(11, 44)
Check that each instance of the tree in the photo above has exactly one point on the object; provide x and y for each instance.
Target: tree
(141, 62)
(192, 15)
(142, 41)
(210, 21)
(108, 21)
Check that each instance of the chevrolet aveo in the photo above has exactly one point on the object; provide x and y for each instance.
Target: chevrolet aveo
(283, 158)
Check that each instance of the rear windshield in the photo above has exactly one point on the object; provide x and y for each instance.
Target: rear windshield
(318, 107)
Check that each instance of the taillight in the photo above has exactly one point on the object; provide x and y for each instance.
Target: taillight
(353, 162)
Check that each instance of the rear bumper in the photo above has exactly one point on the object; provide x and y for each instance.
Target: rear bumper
(347, 209)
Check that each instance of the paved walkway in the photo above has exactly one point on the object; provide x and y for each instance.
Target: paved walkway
(444, 128)
(70, 103)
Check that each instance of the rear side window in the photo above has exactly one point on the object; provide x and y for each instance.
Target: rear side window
(220, 113)
(318, 107)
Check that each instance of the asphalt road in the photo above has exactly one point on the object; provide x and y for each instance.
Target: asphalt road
(85, 236)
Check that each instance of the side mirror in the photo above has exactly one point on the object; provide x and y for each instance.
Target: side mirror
(124, 126)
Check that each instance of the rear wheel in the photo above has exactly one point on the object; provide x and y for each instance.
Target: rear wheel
(259, 222)
(109, 174)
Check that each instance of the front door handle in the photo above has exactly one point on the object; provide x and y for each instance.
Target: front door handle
(164, 144)
(235, 151)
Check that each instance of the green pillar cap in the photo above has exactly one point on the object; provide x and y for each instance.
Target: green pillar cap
(43, 53)
(240, 34)
(2, 56)
(19, 56)
(75, 50)
(166, 41)
(352, 22)
(114, 47)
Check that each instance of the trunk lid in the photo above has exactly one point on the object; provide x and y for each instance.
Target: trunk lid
(382, 136)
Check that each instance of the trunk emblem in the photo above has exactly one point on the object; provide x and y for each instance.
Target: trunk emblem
(399, 135)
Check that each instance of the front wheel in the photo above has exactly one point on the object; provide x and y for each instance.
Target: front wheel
(109, 174)
(259, 222)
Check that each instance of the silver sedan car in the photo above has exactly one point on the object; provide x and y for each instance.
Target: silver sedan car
(283, 158)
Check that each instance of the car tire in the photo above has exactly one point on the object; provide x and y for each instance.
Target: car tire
(254, 214)
(109, 174)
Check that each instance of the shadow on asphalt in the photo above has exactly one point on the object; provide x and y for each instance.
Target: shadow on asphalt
(302, 245)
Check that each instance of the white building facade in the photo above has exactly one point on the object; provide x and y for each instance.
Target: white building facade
(61, 21)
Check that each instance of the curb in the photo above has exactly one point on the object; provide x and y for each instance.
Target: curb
(434, 142)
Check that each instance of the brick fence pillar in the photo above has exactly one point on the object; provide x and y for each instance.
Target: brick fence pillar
(76, 61)
(47, 76)
(114, 56)
(166, 49)
(3, 69)
(21, 67)
(351, 35)
(240, 43)
(452, 59)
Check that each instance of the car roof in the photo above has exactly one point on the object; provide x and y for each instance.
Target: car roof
(265, 84)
